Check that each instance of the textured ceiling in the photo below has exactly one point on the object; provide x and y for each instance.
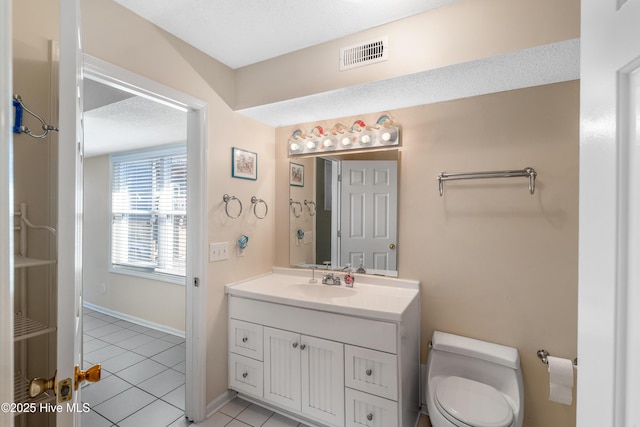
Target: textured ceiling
(130, 124)
(242, 32)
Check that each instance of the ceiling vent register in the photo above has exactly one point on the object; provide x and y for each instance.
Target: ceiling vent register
(363, 54)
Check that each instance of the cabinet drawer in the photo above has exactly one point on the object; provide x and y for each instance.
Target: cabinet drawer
(245, 374)
(364, 409)
(245, 339)
(371, 371)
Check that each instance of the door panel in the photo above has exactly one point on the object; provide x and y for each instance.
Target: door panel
(69, 345)
(6, 214)
(368, 214)
(282, 368)
(322, 379)
(609, 237)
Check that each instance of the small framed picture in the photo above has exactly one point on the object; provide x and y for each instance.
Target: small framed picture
(296, 174)
(244, 164)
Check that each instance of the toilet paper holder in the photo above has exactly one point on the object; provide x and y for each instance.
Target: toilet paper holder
(543, 354)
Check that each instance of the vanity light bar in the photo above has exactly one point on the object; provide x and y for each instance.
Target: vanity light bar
(358, 137)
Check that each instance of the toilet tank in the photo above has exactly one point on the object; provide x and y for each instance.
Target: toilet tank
(494, 353)
(488, 363)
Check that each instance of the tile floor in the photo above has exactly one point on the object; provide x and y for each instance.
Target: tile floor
(143, 373)
(143, 381)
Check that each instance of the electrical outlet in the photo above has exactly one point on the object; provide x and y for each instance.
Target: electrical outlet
(218, 251)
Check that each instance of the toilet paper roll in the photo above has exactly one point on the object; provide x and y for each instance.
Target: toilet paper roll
(560, 380)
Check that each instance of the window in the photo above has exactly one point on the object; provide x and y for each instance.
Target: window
(149, 211)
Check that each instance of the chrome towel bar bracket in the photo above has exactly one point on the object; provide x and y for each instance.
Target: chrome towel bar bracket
(526, 172)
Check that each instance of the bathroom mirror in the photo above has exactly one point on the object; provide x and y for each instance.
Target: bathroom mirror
(343, 212)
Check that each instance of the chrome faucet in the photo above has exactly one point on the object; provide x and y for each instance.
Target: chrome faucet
(331, 279)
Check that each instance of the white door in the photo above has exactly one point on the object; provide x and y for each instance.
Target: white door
(368, 223)
(69, 345)
(322, 379)
(609, 238)
(6, 215)
(282, 368)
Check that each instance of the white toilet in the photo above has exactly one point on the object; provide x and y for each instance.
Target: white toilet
(473, 383)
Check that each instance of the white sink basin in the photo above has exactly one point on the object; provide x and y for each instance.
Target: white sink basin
(307, 290)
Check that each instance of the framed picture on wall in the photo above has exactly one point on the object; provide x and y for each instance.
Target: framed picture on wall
(244, 164)
(296, 174)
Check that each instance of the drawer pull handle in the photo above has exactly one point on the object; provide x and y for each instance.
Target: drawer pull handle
(245, 374)
(295, 345)
(369, 417)
(303, 346)
(368, 372)
(245, 339)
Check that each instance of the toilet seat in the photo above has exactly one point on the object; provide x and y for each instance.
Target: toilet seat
(468, 403)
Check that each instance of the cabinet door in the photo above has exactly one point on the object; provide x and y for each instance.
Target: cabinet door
(323, 379)
(282, 368)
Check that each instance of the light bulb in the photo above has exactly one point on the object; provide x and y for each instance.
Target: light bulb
(294, 147)
(346, 141)
(365, 139)
(311, 145)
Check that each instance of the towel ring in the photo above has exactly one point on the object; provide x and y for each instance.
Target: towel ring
(255, 202)
(294, 204)
(308, 204)
(227, 198)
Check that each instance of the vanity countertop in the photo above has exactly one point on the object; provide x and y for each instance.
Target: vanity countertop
(377, 297)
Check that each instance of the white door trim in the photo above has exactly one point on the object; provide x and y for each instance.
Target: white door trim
(6, 213)
(196, 296)
(608, 301)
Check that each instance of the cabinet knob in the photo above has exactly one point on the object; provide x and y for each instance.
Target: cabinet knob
(295, 345)
(245, 339)
(369, 417)
(368, 372)
(245, 374)
(303, 346)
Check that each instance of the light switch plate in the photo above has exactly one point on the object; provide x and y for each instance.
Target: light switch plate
(218, 251)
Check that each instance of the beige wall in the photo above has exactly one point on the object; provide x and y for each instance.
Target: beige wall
(494, 262)
(156, 301)
(116, 35)
(460, 32)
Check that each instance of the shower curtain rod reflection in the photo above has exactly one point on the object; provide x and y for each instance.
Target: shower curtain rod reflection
(18, 127)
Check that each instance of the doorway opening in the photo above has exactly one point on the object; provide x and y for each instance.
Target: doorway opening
(144, 181)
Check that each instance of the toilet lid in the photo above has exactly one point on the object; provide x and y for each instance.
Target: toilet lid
(471, 403)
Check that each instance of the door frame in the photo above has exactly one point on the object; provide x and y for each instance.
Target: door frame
(609, 241)
(6, 213)
(195, 280)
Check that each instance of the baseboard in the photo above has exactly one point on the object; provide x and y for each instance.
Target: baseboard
(136, 320)
(217, 403)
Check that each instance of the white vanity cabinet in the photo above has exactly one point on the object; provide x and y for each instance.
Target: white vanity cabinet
(327, 363)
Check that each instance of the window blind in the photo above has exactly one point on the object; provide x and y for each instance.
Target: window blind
(149, 210)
